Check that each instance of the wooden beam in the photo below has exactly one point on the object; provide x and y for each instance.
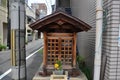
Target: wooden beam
(45, 49)
(60, 34)
(74, 50)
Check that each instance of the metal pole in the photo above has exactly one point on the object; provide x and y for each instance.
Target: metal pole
(98, 47)
(18, 53)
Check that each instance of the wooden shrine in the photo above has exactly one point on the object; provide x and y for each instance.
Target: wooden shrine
(59, 31)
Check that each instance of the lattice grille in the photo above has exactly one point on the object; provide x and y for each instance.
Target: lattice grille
(60, 47)
(66, 51)
(53, 51)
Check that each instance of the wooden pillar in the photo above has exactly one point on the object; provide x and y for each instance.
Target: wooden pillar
(74, 50)
(45, 49)
(59, 56)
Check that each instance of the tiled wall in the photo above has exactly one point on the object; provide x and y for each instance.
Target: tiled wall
(111, 50)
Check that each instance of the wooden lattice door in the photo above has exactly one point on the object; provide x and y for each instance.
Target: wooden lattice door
(60, 46)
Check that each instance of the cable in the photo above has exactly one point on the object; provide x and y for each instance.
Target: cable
(9, 27)
(19, 44)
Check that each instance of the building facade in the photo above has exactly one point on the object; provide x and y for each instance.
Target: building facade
(41, 11)
(64, 5)
(111, 40)
(30, 17)
(41, 8)
(86, 11)
(3, 22)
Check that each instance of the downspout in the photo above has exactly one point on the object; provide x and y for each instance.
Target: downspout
(98, 47)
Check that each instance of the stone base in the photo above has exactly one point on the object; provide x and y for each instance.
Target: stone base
(48, 77)
(82, 77)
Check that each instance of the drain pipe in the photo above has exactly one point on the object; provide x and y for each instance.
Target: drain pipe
(98, 47)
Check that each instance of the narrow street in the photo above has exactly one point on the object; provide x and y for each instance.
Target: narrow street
(34, 59)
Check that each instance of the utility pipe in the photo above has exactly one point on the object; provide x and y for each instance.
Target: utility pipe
(98, 47)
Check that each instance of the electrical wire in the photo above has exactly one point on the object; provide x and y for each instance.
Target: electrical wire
(19, 64)
(9, 27)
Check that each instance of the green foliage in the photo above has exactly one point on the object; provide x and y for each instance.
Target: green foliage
(2, 47)
(80, 59)
(83, 67)
(40, 51)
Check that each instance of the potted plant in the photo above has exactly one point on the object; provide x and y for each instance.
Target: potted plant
(58, 68)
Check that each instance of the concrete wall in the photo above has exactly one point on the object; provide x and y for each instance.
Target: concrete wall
(111, 50)
(3, 19)
(85, 10)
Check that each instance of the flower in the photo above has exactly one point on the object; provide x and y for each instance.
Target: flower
(58, 65)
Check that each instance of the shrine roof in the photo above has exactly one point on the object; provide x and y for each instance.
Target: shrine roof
(60, 18)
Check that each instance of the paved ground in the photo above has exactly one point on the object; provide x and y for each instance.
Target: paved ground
(33, 63)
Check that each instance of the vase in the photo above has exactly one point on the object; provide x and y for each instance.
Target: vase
(58, 72)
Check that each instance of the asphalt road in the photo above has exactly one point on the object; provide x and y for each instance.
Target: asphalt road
(32, 63)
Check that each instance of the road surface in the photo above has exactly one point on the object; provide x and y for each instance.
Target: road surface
(34, 59)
